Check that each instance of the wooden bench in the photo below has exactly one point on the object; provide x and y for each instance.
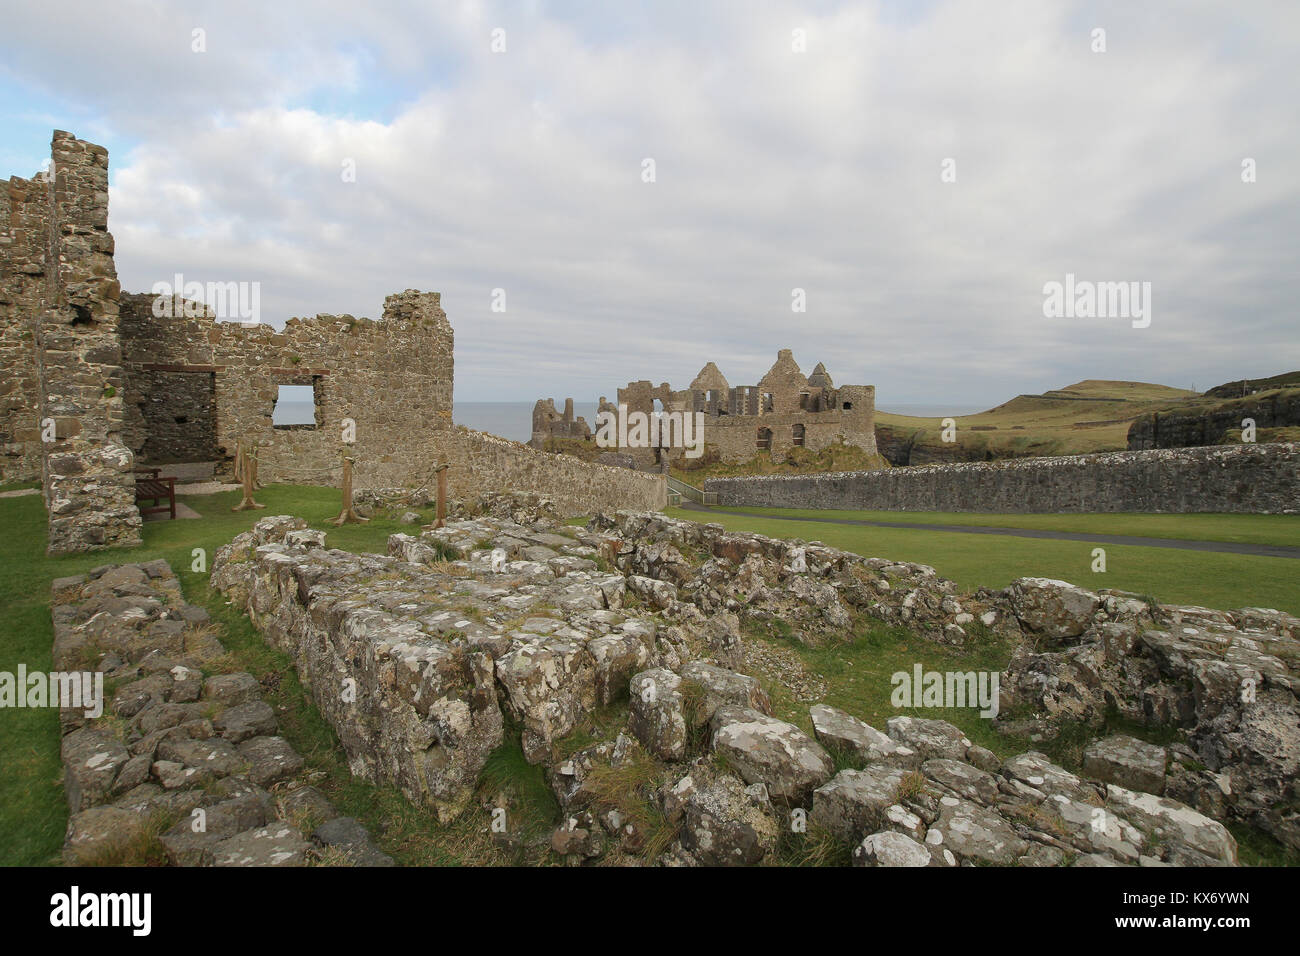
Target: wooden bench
(155, 489)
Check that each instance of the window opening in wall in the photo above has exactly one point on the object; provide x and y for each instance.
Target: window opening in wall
(764, 438)
(295, 407)
(846, 406)
(797, 435)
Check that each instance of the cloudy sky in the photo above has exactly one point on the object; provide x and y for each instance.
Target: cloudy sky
(794, 146)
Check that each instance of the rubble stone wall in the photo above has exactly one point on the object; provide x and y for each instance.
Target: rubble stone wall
(1255, 479)
(392, 378)
(60, 301)
(481, 462)
(180, 416)
(24, 223)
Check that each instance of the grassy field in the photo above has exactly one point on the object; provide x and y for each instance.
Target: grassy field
(1241, 529)
(1174, 577)
(33, 811)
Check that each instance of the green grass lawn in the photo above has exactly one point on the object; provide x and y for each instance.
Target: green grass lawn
(1242, 529)
(1204, 578)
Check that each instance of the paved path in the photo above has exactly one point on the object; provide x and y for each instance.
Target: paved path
(1226, 547)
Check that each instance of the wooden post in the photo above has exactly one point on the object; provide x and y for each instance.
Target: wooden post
(441, 514)
(347, 514)
(246, 471)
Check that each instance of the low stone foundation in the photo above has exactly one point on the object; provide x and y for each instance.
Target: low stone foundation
(422, 660)
(189, 761)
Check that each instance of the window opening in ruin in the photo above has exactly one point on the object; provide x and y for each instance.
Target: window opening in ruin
(846, 406)
(803, 401)
(295, 406)
(797, 435)
(767, 402)
(764, 438)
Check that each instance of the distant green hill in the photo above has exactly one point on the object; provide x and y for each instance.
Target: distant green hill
(1089, 416)
(1250, 386)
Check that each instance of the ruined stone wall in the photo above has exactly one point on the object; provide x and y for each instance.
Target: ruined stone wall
(797, 411)
(1240, 478)
(393, 378)
(736, 436)
(179, 414)
(549, 423)
(59, 319)
(24, 227)
(481, 462)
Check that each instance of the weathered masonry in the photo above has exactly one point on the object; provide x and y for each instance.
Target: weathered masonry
(61, 381)
(197, 387)
(785, 410)
(94, 382)
(1257, 479)
(549, 422)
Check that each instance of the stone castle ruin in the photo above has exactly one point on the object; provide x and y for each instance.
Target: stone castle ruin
(94, 382)
(549, 422)
(784, 410)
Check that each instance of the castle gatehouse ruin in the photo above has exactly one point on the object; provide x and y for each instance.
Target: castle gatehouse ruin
(95, 383)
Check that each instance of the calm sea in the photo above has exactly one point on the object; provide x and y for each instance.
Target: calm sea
(512, 420)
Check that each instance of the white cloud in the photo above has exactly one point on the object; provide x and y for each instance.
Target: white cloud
(775, 170)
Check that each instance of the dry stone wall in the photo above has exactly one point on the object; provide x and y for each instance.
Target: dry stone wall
(1257, 479)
